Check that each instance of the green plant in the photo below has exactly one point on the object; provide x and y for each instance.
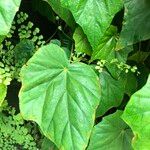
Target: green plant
(20, 44)
(85, 83)
(15, 133)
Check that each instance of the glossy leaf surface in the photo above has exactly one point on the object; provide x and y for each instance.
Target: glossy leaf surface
(61, 97)
(94, 16)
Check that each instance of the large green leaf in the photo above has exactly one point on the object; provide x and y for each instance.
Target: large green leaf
(81, 42)
(112, 92)
(106, 46)
(137, 116)
(111, 134)
(136, 24)
(3, 92)
(8, 9)
(94, 16)
(64, 13)
(61, 97)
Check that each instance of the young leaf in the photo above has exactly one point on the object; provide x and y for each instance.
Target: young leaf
(112, 92)
(61, 97)
(136, 25)
(137, 116)
(106, 46)
(3, 92)
(111, 134)
(81, 42)
(93, 16)
(8, 9)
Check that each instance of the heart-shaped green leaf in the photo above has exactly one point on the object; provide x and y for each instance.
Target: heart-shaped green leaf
(61, 97)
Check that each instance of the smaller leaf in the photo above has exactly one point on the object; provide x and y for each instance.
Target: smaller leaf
(106, 47)
(112, 92)
(81, 42)
(137, 116)
(112, 133)
(94, 16)
(136, 23)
